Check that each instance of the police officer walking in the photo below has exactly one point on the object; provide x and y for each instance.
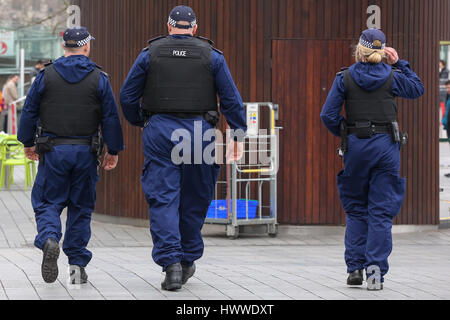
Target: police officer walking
(178, 78)
(67, 104)
(370, 188)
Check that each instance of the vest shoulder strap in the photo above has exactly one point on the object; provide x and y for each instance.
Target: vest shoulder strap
(51, 70)
(46, 65)
(156, 38)
(205, 39)
(342, 71)
(217, 50)
(101, 71)
(350, 83)
(210, 42)
(388, 83)
(347, 79)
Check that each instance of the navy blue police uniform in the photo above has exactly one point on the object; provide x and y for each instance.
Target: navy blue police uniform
(68, 102)
(178, 78)
(370, 188)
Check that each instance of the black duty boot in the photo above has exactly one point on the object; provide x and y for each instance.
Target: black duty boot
(188, 272)
(78, 275)
(49, 268)
(355, 278)
(173, 280)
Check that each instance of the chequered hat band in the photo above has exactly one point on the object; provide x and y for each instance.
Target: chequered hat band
(173, 23)
(79, 43)
(370, 45)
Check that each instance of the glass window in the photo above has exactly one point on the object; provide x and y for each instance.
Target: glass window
(35, 26)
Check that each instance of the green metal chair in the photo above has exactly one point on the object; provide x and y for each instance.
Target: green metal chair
(12, 155)
(2, 152)
(2, 136)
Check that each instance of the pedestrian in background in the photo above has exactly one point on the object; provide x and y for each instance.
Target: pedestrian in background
(447, 109)
(445, 118)
(443, 71)
(37, 68)
(10, 95)
(443, 76)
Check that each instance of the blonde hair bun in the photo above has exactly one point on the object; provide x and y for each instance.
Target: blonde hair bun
(375, 57)
(364, 54)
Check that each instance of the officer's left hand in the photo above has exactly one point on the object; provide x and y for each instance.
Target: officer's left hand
(31, 154)
(110, 162)
(391, 55)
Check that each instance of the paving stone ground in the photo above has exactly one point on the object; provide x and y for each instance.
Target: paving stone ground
(292, 266)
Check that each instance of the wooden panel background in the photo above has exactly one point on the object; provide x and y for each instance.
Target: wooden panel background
(245, 30)
(306, 142)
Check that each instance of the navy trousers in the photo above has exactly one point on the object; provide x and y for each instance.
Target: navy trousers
(178, 194)
(371, 192)
(66, 179)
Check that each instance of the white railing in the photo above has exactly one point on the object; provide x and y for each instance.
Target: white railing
(12, 115)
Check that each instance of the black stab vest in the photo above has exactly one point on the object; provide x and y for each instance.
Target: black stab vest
(378, 106)
(70, 109)
(179, 78)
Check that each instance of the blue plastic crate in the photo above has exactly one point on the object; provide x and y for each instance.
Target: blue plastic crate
(222, 209)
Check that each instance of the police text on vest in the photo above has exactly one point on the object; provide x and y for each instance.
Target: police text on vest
(179, 53)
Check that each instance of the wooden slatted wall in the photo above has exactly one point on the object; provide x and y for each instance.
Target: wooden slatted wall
(245, 30)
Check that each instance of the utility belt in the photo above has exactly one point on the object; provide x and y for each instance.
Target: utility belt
(367, 129)
(212, 117)
(46, 144)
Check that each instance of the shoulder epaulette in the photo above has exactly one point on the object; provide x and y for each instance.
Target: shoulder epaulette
(217, 50)
(342, 71)
(154, 39)
(210, 42)
(103, 72)
(46, 65)
(205, 39)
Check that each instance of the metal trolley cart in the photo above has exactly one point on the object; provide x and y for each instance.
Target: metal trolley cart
(246, 193)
